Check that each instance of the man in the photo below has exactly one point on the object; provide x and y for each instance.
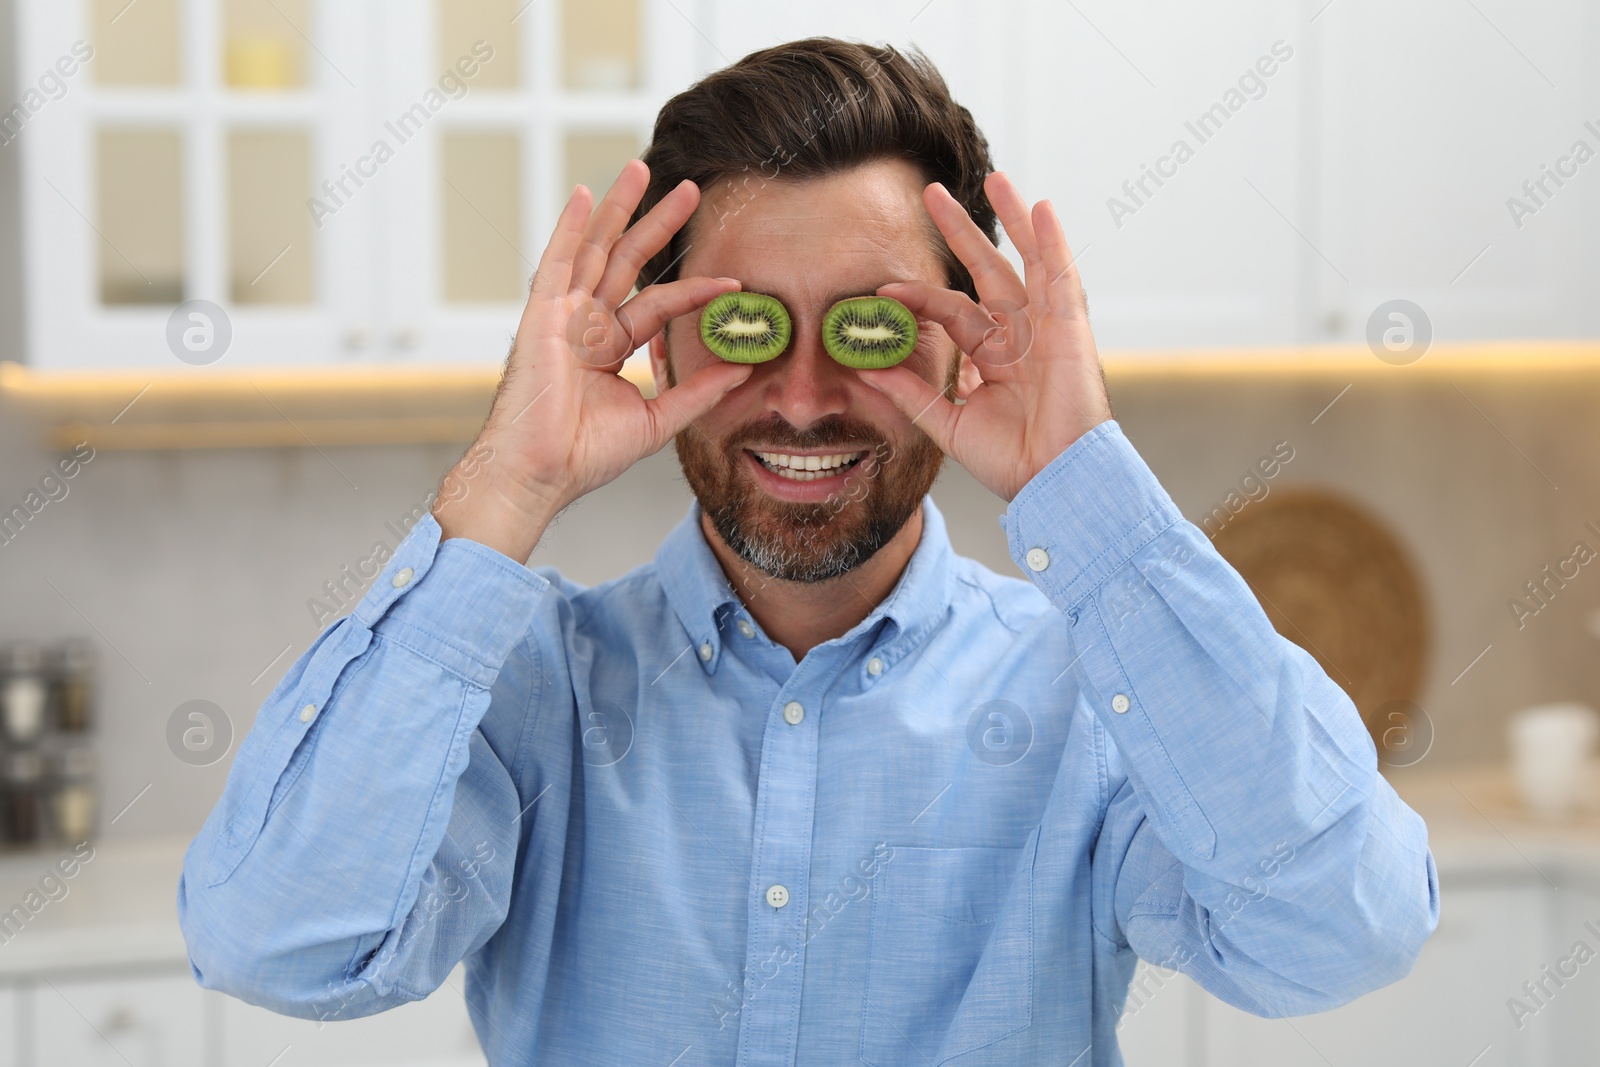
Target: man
(809, 788)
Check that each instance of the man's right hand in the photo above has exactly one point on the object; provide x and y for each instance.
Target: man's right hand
(564, 421)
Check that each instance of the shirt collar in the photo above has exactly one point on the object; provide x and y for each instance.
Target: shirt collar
(706, 604)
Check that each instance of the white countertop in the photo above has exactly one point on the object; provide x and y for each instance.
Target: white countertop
(120, 909)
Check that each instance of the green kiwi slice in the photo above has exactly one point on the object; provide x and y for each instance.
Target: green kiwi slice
(743, 327)
(869, 332)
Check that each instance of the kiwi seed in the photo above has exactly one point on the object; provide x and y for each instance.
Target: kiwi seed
(743, 327)
(869, 332)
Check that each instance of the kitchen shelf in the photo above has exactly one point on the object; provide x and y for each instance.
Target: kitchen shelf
(208, 408)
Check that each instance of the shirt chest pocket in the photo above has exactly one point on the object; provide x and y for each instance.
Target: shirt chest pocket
(950, 958)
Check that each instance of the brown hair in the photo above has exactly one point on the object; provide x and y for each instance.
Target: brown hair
(810, 108)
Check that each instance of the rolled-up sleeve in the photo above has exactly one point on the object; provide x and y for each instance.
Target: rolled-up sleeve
(1249, 840)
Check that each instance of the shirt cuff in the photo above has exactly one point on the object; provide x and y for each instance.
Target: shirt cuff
(1086, 514)
(458, 602)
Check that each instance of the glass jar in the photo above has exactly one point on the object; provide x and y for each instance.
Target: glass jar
(72, 683)
(22, 798)
(72, 794)
(24, 694)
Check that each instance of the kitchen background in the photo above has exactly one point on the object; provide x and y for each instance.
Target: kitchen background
(1239, 302)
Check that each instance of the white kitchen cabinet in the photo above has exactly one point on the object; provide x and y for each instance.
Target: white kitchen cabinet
(1451, 1009)
(1571, 1014)
(142, 1021)
(152, 1019)
(434, 1031)
(1179, 247)
(1431, 116)
(1375, 163)
(11, 1027)
(229, 151)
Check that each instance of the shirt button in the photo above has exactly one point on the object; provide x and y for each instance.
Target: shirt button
(792, 714)
(705, 651)
(308, 712)
(1038, 559)
(1119, 704)
(402, 576)
(874, 666)
(746, 629)
(777, 896)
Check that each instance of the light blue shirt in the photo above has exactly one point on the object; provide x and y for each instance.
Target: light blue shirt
(946, 834)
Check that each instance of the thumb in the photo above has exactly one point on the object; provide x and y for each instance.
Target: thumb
(918, 400)
(691, 398)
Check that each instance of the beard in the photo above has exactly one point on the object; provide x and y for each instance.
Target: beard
(811, 542)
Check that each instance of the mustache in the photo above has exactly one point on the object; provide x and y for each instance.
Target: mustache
(830, 433)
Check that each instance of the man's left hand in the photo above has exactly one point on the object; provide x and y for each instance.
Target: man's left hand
(1030, 373)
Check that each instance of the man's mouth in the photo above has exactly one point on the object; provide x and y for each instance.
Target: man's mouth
(802, 468)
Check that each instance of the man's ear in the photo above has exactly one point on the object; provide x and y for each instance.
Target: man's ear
(969, 378)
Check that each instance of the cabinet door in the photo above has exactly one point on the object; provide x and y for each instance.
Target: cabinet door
(143, 1021)
(184, 161)
(1572, 1011)
(1169, 136)
(1158, 1017)
(562, 92)
(1432, 116)
(436, 1031)
(12, 1026)
(1450, 1009)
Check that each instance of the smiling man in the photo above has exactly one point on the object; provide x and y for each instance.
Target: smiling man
(809, 788)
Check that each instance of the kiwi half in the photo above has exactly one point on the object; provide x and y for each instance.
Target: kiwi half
(743, 327)
(869, 332)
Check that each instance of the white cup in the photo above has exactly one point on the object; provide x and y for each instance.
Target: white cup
(1550, 746)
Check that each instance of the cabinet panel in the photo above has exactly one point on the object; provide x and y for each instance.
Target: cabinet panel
(1433, 115)
(1571, 1011)
(435, 1031)
(145, 1021)
(11, 1026)
(1450, 1009)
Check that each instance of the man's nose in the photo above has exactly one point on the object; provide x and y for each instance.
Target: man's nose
(807, 383)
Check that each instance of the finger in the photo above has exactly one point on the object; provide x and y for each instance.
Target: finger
(1062, 285)
(672, 411)
(601, 336)
(994, 337)
(648, 313)
(554, 273)
(644, 239)
(963, 320)
(991, 273)
(1019, 225)
(609, 220)
(920, 401)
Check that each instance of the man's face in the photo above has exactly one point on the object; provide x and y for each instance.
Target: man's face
(810, 244)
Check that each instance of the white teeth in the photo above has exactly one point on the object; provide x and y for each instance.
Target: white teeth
(805, 468)
(807, 463)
